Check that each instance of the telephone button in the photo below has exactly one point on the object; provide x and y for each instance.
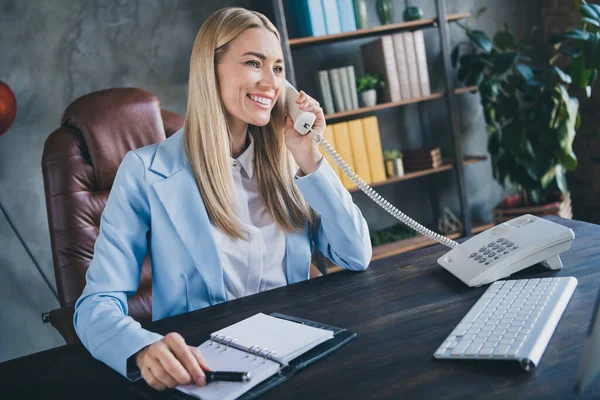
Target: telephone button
(492, 254)
(499, 240)
(482, 260)
(478, 256)
(515, 247)
(472, 255)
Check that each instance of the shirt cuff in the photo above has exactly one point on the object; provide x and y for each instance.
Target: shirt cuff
(300, 175)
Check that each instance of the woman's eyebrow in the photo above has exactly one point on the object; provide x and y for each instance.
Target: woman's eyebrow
(260, 55)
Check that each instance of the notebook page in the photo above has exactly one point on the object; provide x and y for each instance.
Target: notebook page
(288, 339)
(219, 359)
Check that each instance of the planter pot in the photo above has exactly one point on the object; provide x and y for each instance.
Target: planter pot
(369, 97)
(507, 210)
(394, 167)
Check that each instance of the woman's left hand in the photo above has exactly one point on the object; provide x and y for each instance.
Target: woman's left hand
(303, 148)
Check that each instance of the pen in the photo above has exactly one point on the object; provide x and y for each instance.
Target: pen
(214, 376)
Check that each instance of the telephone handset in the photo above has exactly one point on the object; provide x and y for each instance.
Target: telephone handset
(491, 255)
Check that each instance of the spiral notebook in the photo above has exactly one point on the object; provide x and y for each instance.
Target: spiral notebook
(262, 345)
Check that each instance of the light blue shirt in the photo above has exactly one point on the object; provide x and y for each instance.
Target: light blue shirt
(155, 207)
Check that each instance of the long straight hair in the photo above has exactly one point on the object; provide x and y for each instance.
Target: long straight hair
(208, 139)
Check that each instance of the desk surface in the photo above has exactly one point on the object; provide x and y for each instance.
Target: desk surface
(402, 308)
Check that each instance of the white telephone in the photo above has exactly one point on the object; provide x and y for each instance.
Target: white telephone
(491, 255)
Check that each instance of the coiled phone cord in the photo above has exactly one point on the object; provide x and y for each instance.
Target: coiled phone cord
(376, 197)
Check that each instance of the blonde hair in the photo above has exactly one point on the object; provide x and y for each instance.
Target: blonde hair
(207, 136)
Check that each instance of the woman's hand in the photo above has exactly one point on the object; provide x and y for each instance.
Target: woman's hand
(171, 362)
(303, 148)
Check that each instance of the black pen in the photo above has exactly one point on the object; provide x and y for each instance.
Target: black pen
(215, 376)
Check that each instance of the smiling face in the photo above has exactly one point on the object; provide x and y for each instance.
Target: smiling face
(251, 77)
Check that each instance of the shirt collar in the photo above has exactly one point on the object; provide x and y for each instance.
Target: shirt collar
(246, 159)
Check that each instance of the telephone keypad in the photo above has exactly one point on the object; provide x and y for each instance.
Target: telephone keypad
(493, 250)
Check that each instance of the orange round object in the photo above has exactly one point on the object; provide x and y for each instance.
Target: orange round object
(8, 107)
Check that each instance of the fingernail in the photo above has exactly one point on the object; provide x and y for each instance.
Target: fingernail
(201, 381)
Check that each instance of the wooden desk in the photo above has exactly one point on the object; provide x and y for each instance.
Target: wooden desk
(402, 308)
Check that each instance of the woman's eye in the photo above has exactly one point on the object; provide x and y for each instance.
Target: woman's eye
(253, 63)
(279, 70)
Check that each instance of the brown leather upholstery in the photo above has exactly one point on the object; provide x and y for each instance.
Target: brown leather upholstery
(79, 164)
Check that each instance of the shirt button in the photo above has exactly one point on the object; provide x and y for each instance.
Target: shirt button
(235, 163)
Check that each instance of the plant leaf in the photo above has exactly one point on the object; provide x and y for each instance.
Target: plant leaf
(565, 78)
(480, 39)
(504, 40)
(525, 71)
(579, 74)
(596, 9)
(570, 51)
(576, 34)
(587, 11)
(590, 21)
(561, 179)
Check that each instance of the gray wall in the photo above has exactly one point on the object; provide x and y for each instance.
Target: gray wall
(53, 52)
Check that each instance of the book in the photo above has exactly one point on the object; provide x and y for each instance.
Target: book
(378, 58)
(422, 63)
(308, 18)
(411, 64)
(374, 150)
(330, 138)
(336, 89)
(346, 14)
(345, 83)
(359, 150)
(400, 54)
(262, 345)
(344, 149)
(325, 92)
(332, 19)
(353, 91)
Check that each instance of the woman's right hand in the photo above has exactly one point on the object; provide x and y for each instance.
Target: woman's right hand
(170, 362)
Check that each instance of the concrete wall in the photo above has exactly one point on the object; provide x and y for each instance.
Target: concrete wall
(51, 52)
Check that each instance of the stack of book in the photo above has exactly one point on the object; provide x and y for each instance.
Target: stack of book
(359, 144)
(401, 60)
(419, 159)
(322, 17)
(337, 89)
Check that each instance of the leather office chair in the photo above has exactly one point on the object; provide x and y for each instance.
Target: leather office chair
(79, 164)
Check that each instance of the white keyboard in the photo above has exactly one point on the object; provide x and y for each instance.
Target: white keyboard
(512, 320)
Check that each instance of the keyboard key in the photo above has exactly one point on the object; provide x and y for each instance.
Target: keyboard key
(501, 350)
(473, 349)
(460, 349)
(486, 351)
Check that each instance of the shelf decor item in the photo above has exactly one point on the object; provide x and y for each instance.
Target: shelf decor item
(393, 163)
(531, 118)
(412, 13)
(367, 86)
(360, 11)
(384, 11)
(8, 107)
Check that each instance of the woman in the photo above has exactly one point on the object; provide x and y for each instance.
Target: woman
(219, 207)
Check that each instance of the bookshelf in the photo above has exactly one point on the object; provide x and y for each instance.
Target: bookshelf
(458, 163)
(382, 106)
(375, 31)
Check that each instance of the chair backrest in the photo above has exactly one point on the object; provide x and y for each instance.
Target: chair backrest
(79, 164)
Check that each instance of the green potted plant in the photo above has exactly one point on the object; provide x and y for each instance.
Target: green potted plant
(393, 163)
(581, 46)
(367, 86)
(531, 119)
